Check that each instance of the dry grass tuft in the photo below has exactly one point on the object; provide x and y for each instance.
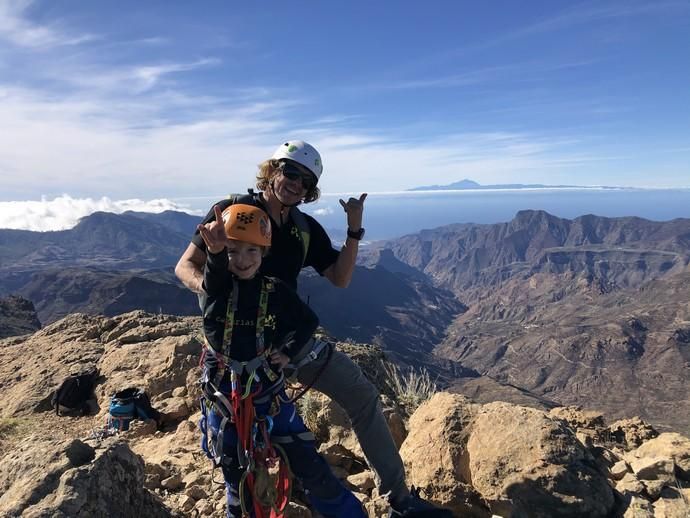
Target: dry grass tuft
(411, 387)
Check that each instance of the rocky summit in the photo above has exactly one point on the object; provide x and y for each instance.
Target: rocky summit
(479, 460)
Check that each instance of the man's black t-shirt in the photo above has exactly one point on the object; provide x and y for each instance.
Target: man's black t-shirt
(284, 260)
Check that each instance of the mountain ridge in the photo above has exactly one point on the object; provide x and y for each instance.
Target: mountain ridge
(565, 309)
(467, 184)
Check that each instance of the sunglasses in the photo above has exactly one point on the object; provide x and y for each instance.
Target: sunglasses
(293, 173)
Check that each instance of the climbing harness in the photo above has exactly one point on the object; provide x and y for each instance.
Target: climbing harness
(256, 454)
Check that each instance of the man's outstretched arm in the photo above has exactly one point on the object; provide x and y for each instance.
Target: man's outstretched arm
(340, 272)
(190, 268)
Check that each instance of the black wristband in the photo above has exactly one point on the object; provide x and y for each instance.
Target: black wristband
(356, 234)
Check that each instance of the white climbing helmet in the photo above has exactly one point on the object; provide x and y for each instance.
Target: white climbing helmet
(302, 153)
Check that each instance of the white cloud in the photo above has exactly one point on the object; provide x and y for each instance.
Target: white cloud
(64, 211)
(92, 145)
(324, 211)
(150, 75)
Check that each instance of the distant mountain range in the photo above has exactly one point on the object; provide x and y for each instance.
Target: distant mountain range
(103, 240)
(114, 263)
(472, 185)
(592, 311)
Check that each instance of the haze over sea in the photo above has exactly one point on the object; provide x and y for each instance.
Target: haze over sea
(389, 215)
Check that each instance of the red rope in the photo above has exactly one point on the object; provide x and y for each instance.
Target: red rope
(245, 416)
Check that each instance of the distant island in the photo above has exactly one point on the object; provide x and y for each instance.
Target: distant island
(471, 185)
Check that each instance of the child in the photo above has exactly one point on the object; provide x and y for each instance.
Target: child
(254, 325)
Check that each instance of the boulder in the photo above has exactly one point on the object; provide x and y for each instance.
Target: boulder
(173, 409)
(619, 469)
(631, 432)
(653, 468)
(158, 365)
(172, 483)
(605, 458)
(578, 418)
(435, 454)
(362, 482)
(673, 502)
(396, 425)
(639, 508)
(630, 485)
(525, 462)
(668, 445)
(45, 478)
(655, 473)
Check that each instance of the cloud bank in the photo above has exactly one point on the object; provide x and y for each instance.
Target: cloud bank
(65, 212)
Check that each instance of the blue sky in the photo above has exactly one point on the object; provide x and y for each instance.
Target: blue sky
(169, 100)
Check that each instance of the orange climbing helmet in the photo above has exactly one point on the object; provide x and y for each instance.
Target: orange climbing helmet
(247, 223)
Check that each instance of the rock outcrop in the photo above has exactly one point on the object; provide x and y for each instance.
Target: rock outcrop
(436, 456)
(478, 460)
(502, 458)
(44, 478)
(527, 463)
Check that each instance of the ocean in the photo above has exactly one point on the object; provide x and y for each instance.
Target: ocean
(389, 215)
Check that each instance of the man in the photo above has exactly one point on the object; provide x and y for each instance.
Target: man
(287, 179)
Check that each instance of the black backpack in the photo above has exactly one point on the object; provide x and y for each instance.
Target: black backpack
(74, 392)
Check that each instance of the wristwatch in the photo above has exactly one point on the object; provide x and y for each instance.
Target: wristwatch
(356, 234)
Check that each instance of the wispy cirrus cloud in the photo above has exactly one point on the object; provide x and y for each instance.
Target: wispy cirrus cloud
(580, 14)
(124, 79)
(16, 28)
(149, 75)
(524, 71)
(587, 12)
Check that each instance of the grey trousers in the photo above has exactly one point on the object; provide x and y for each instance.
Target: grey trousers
(345, 383)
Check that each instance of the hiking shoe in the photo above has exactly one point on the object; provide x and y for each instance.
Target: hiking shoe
(414, 506)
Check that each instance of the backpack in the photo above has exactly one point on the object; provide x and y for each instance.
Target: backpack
(128, 404)
(74, 391)
(297, 216)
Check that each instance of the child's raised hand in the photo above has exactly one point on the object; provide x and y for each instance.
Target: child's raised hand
(213, 233)
(279, 359)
